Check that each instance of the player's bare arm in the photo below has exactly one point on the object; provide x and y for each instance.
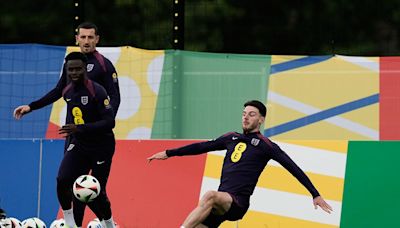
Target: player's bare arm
(319, 201)
(158, 156)
(21, 110)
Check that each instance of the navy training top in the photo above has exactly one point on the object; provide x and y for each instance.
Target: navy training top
(99, 69)
(89, 108)
(245, 159)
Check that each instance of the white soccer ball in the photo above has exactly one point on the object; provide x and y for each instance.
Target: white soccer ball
(95, 223)
(59, 223)
(86, 188)
(33, 223)
(15, 223)
(5, 223)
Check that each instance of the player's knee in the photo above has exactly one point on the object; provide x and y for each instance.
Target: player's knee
(209, 197)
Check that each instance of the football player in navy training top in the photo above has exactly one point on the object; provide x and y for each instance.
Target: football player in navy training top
(99, 69)
(89, 124)
(247, 155)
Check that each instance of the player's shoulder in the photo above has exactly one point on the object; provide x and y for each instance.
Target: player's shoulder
(266, 140)
(97, 86)
(231, 133)
(101, 57)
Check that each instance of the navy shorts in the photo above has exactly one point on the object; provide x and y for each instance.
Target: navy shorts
(235, 212)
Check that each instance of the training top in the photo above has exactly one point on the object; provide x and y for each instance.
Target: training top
(89, 108)
(99, 69)
(245, 159)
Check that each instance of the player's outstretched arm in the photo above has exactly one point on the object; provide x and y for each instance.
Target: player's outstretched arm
(158, 156)
(21, 110)
(319, 201)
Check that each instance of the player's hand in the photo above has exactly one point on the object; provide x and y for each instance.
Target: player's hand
(319, 201)
(21, 110)
(68, 129)
(158, 156)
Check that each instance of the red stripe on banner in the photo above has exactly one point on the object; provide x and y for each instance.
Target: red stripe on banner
(159, 194)
(389, 98)
(52, 131)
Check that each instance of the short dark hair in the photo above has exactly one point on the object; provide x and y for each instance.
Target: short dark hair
(3, 214)
(88, 25)
(76, 55)
(259, 105)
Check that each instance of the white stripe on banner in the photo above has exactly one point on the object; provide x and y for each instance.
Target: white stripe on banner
(336, 120)
(315, 160)
(111, 53)
(310, 159)
(284, 204)
(361, 61)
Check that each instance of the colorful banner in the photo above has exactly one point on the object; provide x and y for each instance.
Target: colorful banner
(352, 176)
(323, 97)
(181, 94)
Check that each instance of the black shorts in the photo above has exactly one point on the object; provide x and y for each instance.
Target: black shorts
(235, 212)
(79, 160)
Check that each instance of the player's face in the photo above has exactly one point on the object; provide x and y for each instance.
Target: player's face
(76, 70)
(87, 40)
(251, 119)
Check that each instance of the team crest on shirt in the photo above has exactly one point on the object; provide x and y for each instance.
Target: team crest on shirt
(84, 100)
(89, 67)
(255, 141)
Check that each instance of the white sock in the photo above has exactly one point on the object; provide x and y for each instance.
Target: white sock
(69, 218)
(109, 223)
(103, 224)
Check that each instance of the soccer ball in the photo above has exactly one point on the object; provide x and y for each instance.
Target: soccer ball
(95, 223)
(5, 223)
(86, 188)
(59, 223)
(33, 223)
(15, 223)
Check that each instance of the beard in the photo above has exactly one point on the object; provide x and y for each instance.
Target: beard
(250, 127)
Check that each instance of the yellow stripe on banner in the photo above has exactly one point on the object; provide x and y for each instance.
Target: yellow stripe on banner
(339, 146)
(277, 59)
(254, 219)
(278, 178)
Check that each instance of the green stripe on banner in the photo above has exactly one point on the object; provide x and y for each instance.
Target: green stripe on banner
(196, 87)
(372, 185)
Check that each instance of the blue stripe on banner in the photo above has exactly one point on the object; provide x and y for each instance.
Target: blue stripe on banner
(322, 115)
(27, 72)
(290, 65)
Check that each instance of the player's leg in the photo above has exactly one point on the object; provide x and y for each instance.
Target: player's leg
(79, 211)
(72, 166)
(101, 170)
(219, 202)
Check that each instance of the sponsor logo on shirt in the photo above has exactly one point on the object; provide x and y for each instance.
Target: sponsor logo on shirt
(237, 153)
(70, 147)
